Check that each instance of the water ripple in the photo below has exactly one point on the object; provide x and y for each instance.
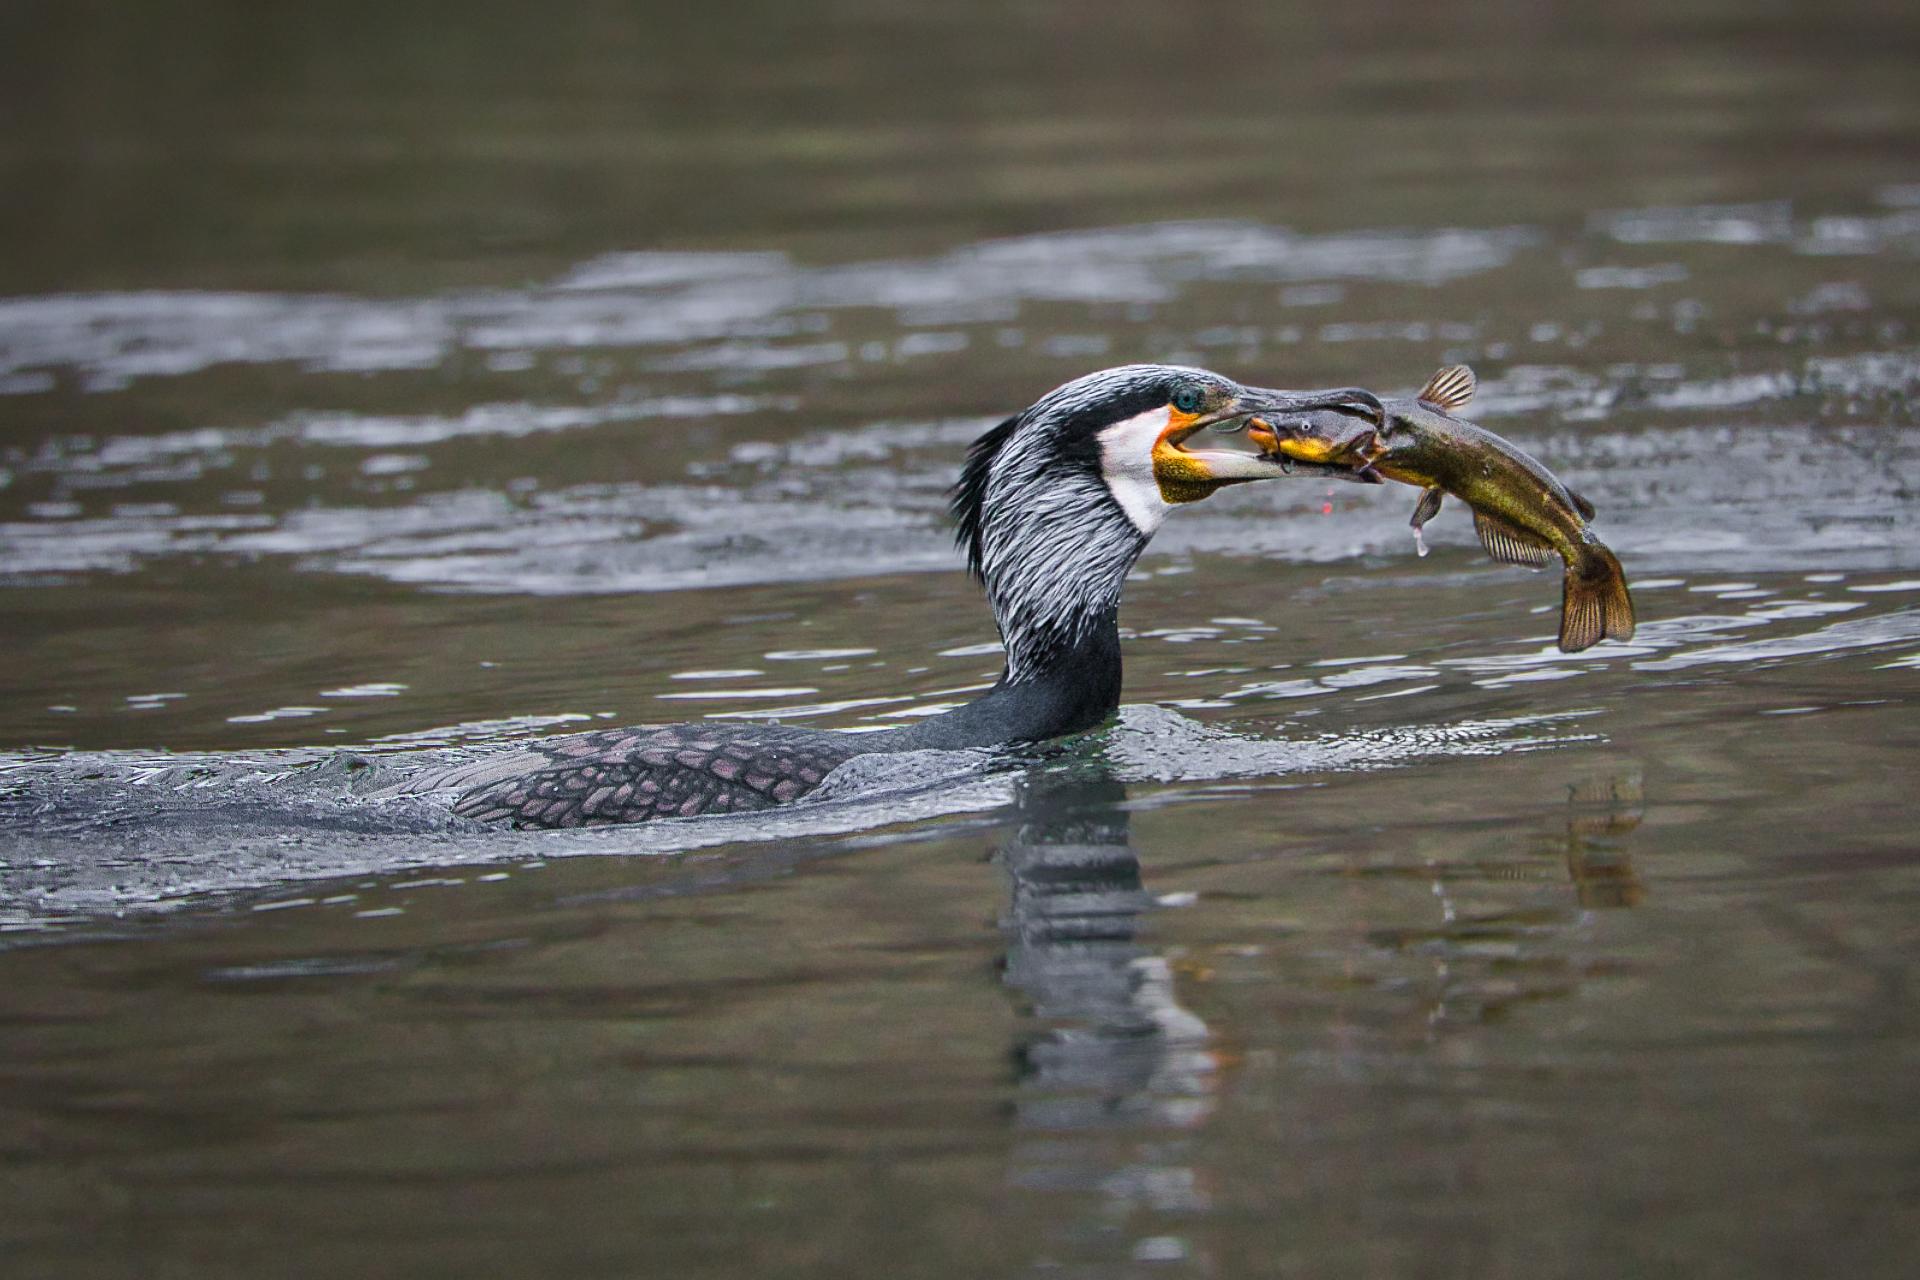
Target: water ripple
(643, 299)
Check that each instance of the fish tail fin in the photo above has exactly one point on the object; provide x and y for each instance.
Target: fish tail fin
(1594, 603)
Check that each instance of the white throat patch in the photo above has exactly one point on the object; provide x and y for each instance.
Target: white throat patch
(1126, 464)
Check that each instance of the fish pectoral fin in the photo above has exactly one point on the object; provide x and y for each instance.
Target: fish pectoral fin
(1427, 508)
(1581, 505)
(1510, 545)
(1451, 388)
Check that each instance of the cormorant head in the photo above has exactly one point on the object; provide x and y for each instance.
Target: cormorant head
(1057, 502)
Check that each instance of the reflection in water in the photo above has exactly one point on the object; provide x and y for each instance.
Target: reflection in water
(1117, 1081)
(1603, 812)
(1113, 1058)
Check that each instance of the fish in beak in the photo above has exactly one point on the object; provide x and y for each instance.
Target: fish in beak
(1188, 473)
(1341, 437)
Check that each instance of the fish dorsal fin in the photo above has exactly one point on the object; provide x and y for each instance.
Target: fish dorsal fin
(1450, 389)
(1507, 544)
(1581, 505)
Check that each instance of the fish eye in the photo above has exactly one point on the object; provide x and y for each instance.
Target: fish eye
(1188, 399)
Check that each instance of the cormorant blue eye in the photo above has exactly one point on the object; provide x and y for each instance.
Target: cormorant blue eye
(1188, 399)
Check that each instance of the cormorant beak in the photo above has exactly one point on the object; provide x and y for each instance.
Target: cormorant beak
(1260, 411)
(1279, 404)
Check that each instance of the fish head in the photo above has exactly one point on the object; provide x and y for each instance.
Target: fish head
(1339, 436)
(1185, 470)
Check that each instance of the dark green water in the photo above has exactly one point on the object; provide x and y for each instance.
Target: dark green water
(411, 378)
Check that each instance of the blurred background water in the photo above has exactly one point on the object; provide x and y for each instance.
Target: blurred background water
(382, 381)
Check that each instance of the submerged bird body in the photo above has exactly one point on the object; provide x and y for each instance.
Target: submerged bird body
(630, 775)
(1521, 511)
(692, 770)
(1054, 506)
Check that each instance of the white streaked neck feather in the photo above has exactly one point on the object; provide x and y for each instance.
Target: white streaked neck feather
(1056, 548)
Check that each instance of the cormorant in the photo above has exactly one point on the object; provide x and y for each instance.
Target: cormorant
(1054, 505)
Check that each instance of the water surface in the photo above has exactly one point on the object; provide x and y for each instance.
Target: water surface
(386, 388)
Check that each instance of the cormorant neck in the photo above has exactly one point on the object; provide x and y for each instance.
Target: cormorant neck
(1067, 688)
(1053, 548)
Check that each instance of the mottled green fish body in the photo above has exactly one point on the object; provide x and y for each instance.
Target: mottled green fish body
(1521, 510)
